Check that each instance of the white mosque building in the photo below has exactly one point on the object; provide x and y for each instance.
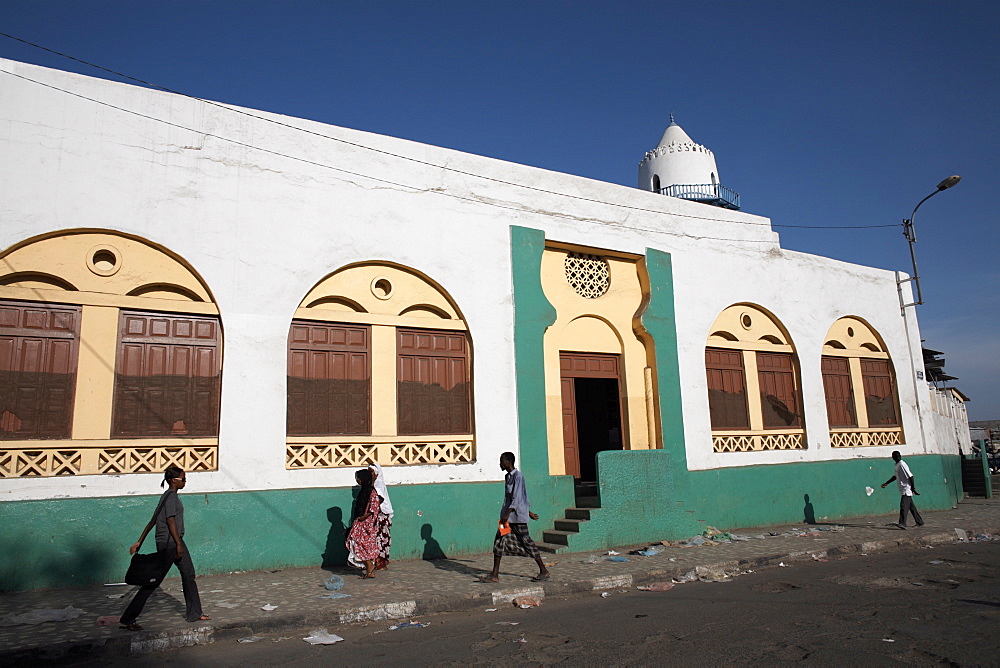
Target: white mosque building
(271, 303)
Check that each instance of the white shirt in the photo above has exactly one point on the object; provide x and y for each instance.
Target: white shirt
(381, 490)
(903, 476)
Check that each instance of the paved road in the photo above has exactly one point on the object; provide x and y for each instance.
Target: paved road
(920, 607)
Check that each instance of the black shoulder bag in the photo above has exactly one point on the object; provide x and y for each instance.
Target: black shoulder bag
(146, 569)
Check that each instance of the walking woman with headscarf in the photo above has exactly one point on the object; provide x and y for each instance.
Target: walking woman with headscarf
(383, 522)
(363, 536)
(169, 523)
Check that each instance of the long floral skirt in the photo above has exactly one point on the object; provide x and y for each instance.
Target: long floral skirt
(383, 527)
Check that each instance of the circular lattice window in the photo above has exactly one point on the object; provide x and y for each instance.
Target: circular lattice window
(587, 274)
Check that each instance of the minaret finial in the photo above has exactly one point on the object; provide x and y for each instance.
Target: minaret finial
(671, 116)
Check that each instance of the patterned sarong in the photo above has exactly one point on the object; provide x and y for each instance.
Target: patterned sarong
(515, 544)
(383, 526)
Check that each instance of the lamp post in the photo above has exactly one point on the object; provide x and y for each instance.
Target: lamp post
(911, 234)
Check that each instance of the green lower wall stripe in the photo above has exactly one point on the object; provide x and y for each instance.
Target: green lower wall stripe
(69, 542)
(637, 507)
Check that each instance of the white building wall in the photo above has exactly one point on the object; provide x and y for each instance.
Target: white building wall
(215, 186)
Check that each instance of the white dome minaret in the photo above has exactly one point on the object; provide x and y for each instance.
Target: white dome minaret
(679, 167)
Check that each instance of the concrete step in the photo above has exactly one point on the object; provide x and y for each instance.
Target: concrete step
(578, 513)
(551, 548)
(571, 525)
(588, 502)
(557, 537)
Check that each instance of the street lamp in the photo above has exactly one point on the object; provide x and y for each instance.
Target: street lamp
(911, 234)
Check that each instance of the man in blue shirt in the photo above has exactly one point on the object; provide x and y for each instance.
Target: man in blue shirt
(512, 539)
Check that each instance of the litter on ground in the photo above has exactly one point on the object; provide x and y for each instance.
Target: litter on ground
(268, 607)
(334, 583)
(321, 637)
(250, 639)
(657, 586)
(41, 616)
(647, 552)
(335, 594)
(407, 625)
(526, 601)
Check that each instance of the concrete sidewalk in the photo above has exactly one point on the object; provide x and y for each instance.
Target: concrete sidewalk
(413, 588)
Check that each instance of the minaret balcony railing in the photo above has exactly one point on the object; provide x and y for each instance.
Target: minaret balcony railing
(707, 193)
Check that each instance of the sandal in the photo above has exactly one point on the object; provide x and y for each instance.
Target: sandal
(130, 627)
(368, 575)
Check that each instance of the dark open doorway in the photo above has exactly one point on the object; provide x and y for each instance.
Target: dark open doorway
(598, 421)
(592, 417)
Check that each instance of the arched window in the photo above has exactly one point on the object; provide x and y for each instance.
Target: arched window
(862, 405)
(656, 183)
(753, 390)
(379, 369)
(91, 353)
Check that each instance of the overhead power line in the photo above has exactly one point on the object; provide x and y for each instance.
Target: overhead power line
(265, 119)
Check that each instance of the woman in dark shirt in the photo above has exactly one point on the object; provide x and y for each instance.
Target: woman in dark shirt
(169, 523)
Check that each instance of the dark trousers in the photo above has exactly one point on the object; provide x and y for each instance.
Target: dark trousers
(191, 598)
(906, 506)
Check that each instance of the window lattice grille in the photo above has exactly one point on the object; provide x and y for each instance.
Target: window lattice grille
(400, 453)
(39, 462)
(859, 438)
(757, 442)
(589, 275)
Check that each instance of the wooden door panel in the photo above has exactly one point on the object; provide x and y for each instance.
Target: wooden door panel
(571, 449)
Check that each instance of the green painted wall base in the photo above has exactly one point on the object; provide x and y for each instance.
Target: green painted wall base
(637, 506)
(68, 542)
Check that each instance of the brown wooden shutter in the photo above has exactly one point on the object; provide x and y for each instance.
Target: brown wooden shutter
(38, 360)
(727, 392)
(167, 379)
(839, 395)
(432, 382)
(329, 379)
(778, 395)
(880, 394)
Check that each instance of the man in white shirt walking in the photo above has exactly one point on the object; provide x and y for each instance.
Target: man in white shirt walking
(907, 489)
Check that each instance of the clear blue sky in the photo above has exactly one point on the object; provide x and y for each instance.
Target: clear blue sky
(819, 113)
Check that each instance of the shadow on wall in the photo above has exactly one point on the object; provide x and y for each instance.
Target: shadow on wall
(336, 547)
(34, 568)
(336, 538)
(809, 514)
(432, 549)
